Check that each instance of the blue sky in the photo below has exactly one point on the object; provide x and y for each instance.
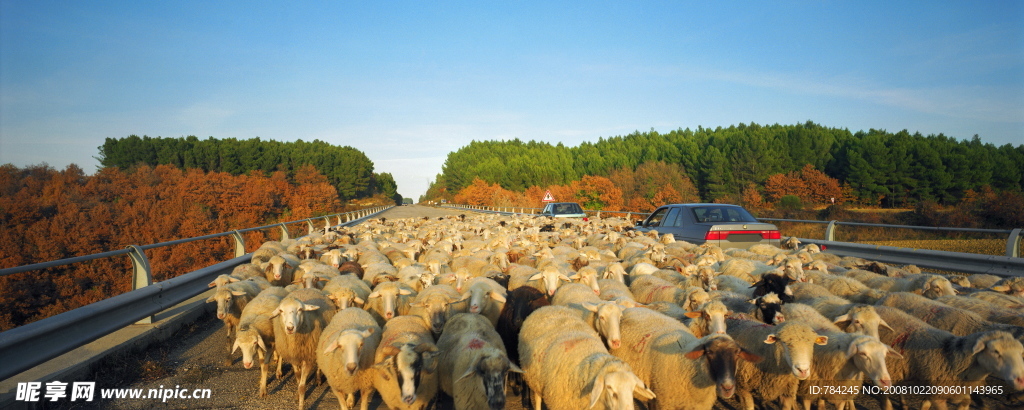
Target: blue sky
(409, 82)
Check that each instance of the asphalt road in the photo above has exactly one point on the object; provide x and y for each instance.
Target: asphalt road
(194, 360)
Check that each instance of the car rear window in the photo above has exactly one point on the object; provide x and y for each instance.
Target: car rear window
(567, 209)
(722, 214)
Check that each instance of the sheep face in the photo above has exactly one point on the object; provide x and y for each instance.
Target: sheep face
(1000, 355)
(769, 309)
(607, 322)
(722, 354)
(587, 276)
(291, 311)
(344, 298)
(480, 297)
(862, 320)
(436, 310)
(350, 343)
(868, 355)
(615, 271)
(708, 279)
(694, 298)
(550, 278)
(224, 298)
(250, 342)
(714, 313)
(616, 390)
(797, 343)
(406, 364)
(278, 270)
(937, 286)
(492, 367)
(389, 293)
(333, 258)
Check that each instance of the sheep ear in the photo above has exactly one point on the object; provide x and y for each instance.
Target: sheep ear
(368, 332)
(259, 342)
(212, 284)
(374, 294)
(277, 312)
(693, 315)
(595, 392)
(211, 299)
(307, 307)
(425, 348)
(881, 322)
(358, 300)
(536, 276)
(771, 339)
(918, 291)
(893, 352)
(696, 353)
(842, 321)
(748, 356)
(404, 292)
(1000, 288)
(821, 340)
(641, 391)
(469, 372)
(238, 293)
(574, 276)
(331, 347)
(416, 304)
(497, 297)
(979, 346)
(513, 368)
(234, 347)
(563, 277)
(752, 301)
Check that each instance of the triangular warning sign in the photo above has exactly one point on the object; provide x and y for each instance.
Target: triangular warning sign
(548, 197)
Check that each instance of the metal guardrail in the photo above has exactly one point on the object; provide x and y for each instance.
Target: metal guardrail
(26, 346)
(1010, 265)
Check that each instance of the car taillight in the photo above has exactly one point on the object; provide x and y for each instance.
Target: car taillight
(822, 247)
(716, 235)
(585, 219)
(723, 235)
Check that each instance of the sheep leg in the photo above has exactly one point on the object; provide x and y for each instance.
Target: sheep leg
(350, 400)
(365, 396)
(536, 399)
(342, 398)
(303, 372)
(280, 362)
(265, 370)
(231, 337)
(788, 402)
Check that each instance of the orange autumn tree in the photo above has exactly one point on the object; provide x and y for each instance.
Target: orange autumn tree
(597, 193)
(809, 184)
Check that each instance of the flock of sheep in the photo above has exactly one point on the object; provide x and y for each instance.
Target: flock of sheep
(590, 314)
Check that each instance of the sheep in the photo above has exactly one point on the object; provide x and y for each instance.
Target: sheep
(432, 304)
(936, 357)
(708, 319)
(587, 276)
(546, 280)
(345, 355)
(767, 308)
(745, 269)
(372, 271)
(791, 242)
(347, 290)
(389, 299)
(231, 300)
(519, 304)
(784, 364)
(280, 269)
(774, 282)
(734, 284)
(1000, 299)
(667, 358)
(485, 297)
(298, 322)
(266, 251)
(1011, 286)
(566, 365)
(255, 333)
(649, 288)
(612, 289)
(841, 286)
(983, 280)
(842, 365)
(603, 316)
(473, 364)
(984, 309)
(959, 322)
(406, 365)
(931, 286)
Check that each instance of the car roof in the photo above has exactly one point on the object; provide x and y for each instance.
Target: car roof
(702, 204)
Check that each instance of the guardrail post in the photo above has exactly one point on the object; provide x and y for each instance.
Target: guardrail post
(284, 232)
(239, 243)
(830, 231)
(1013, 244)
(142, 274)
(309, 221)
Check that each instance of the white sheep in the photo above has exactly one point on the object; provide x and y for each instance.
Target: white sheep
(255, 334)
(346, 291)
(708, 319)
(649, 288)
(566, 365)
(231, 300)
(934, 357)
(280, 269)
(841, 366)
(345, 355)
(681, 370)
(473, 364)
(986, 310)
(603, 316)
(485, 297)
(1000, 299)
(957, 321)
(406, 365)
(388, 300)
(546, 280)
(787, 350)
(433, 305)
(1011, 286)
(299, 320)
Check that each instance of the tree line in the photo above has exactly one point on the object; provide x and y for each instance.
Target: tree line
(48, 214)
(873, 167)
(349, 170)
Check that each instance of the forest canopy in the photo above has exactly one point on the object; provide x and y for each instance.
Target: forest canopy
(349, 170)
(873, 167)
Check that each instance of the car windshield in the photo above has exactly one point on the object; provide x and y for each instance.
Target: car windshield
(569, 208)
(722, 214)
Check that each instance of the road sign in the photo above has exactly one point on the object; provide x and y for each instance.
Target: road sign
(548, 197)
